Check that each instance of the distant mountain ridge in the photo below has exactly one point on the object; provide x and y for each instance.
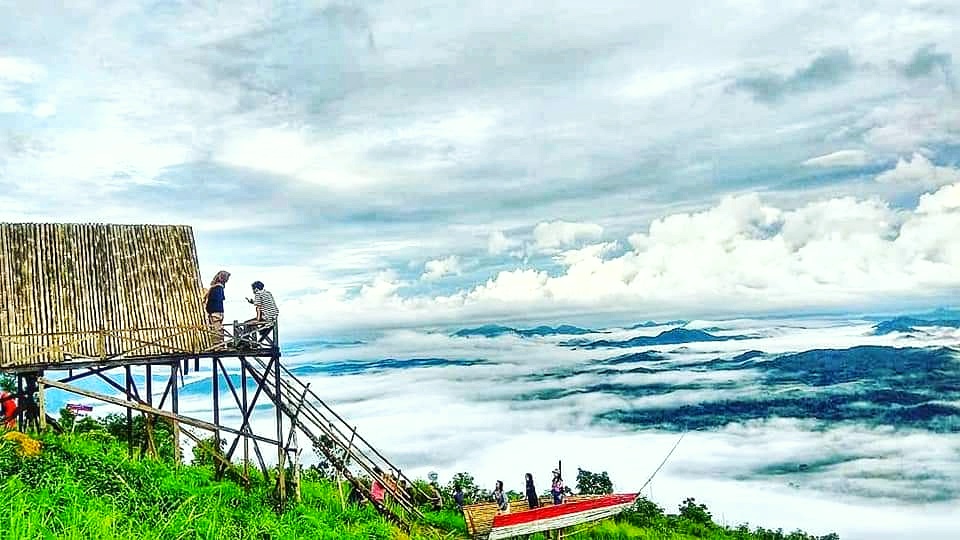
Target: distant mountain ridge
(494, 330)
(674, 336)
(908, 324)
(651, 324)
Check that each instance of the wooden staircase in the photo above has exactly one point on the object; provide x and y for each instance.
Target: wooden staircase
(348, 452)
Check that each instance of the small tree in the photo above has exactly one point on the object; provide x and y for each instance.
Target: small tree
(589, 483)
(694, 512)
(472, 493)
(7, 383)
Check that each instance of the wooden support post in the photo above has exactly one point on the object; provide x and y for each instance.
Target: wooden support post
(292, 438)
(149, 445)
(281, 475)
(129, 381)
(102, 343)
(43, 406)
(21, 400)
(246, 440)
(296, 470)
(175, 404)
(150, 385)
(215, 374)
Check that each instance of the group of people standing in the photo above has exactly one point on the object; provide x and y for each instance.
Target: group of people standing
(262, 300)
(533, 500)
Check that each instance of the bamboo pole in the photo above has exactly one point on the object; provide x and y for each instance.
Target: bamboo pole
(7, 317)
(346, 463)
(42, 404)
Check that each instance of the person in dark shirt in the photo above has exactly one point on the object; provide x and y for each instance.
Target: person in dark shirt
(214, 301)
(458, 496)
(532, 500)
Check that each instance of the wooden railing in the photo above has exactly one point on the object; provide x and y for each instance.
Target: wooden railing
(111, 344)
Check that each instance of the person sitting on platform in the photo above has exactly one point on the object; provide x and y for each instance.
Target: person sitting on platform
(499, 497)
(214, 301)
(267, 311)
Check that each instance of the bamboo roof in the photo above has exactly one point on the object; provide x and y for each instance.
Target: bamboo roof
(71, 291)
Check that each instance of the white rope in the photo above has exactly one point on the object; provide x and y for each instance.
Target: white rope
(662, 463)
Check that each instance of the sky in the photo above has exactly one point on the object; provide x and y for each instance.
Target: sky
(394, 164)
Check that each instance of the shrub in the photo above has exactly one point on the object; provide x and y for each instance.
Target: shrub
(590, 483)
(472, 493)
(694, 512)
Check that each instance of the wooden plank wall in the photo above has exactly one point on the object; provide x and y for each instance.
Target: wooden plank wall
(75, 278)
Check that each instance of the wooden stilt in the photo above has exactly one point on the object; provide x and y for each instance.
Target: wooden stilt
(281, 474)
(246, 440)
(175, 405)
(43, 406)
(215, 383)
(128, 381)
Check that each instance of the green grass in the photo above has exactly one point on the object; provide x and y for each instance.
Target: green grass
(84, 486)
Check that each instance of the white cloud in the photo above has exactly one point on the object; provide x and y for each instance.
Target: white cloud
(498, 243)
(45, 110)
(742, 256)
(19, 70)
(439, 268)
(841, 158)
(341, 162)
(15, 72)
(594, 252)
(551, 235)
(919, 172)
(908, 125)
(383, 287)
(944, 200)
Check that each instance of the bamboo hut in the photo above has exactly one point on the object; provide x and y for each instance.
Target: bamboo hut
(95, 292)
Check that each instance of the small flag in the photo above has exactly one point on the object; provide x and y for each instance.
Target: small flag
(76, 407)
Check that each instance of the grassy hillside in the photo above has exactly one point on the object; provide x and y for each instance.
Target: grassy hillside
(84, 486)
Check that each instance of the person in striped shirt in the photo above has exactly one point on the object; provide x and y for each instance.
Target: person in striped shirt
(267, 311)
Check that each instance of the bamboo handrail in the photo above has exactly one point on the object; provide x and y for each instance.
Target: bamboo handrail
(69, 345)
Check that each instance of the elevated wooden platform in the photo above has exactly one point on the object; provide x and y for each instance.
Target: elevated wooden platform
(87, 301)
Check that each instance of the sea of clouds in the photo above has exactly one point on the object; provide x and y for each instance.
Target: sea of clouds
(864, 442)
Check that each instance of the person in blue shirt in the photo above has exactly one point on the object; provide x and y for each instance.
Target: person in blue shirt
(214, 301)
